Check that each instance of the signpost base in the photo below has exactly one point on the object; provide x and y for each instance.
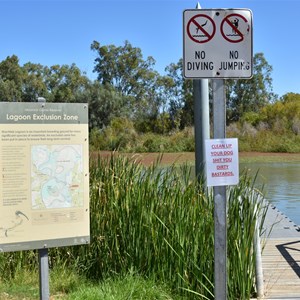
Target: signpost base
(44, 274)
(220, 267)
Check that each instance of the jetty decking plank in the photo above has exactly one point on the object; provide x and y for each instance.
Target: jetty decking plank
(281, 257)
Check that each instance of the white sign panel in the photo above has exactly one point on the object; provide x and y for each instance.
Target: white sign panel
(222, 162)
(217, 43)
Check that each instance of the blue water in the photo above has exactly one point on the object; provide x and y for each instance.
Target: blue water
(281, 185)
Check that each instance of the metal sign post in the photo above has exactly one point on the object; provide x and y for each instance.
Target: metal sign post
(218, 45)
(201, 121)
(44, 274)
(44, 260)
(220, 210)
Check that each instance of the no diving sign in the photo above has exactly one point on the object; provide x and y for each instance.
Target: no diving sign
(205, 28)
(217, 43)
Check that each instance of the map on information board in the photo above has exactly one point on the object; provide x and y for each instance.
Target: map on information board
(56, 176)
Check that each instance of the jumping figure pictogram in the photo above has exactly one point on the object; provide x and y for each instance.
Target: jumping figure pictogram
(234, 28)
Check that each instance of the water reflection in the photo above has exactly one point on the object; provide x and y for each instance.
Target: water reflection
(282, 187)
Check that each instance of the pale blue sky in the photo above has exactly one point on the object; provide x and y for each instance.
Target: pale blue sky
(61, 31)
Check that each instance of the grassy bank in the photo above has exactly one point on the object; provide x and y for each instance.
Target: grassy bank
(153, 227)
(68, 285)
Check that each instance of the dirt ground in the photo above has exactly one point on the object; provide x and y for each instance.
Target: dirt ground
(189, 157)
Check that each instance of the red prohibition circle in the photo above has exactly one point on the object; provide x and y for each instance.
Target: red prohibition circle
(226, 20)
(200, 27)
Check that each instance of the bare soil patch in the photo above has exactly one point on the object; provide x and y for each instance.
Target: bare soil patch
(189, 157)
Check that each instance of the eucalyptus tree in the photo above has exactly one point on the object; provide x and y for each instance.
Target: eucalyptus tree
(125, 69)
(250, 95)
(105, 104)
(34, 82)
(65, 83)
(25, 83)
(11, 79)
(242, 95)
(180, 96)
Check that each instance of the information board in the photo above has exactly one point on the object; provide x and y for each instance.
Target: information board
(217, 43)
(44, 175)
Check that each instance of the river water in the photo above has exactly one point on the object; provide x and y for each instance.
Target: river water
(281, 185)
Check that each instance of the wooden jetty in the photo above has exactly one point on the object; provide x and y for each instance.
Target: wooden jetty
(281, 269)
(281, 257)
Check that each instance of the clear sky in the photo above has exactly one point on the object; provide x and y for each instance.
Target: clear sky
(62, 31)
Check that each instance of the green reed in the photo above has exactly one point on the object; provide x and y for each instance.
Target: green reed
(246, 210)
(159, 223)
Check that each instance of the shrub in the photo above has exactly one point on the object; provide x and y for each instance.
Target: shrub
(120, 135)
(248, 130)
(296, 126)
(233, 130)
(252, 118)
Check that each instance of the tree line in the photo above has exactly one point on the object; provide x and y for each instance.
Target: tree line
(128, 90)
(128, 85)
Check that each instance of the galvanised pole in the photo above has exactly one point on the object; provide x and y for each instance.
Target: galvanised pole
(201, 121)
(220, 210)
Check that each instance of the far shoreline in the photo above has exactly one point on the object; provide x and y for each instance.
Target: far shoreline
(151, 158)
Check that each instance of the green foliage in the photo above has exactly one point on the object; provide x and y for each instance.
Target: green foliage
(131, 286)
(180, 96)
(163, 230)
(65, 83)
(122, 67)
(35, 82)
(158, 222)
(25, 83)
(125, 69)
(287, 112)
(264, 140)
(290, 97)
(252, 118)
(13, 262)
(182, 141)
(276, 128)
(143, 207)
(177, 142)
(105, 104)
(67, 284)
(128, 87)
(250, 95)
(24, 285)
(120, 135)
(11, 77)
(160, 124)
(152, 143)
(241, 257)
(64, 279)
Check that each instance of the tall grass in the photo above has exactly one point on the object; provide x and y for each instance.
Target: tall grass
(160, 224)
(152, 220)
(246, 210)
